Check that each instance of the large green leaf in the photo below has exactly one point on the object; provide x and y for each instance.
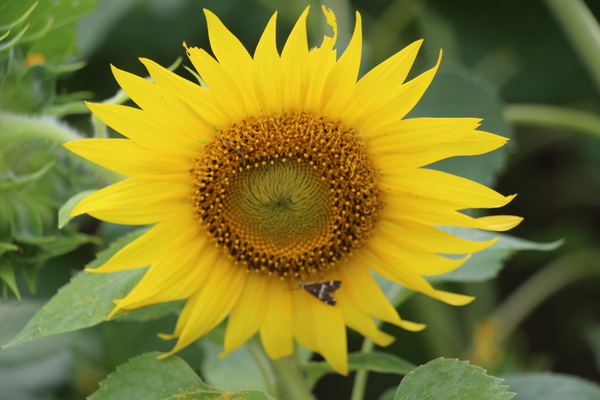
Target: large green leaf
(146, 377)
(85, 301)
(456, 94)
(550, 386)
(446, 379)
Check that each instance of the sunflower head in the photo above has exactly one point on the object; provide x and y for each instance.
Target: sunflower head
(276, 187)
(288, 195)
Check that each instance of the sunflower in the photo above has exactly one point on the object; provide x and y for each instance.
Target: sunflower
(279, 183)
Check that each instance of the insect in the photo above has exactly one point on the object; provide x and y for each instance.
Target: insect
(237, 151)
(322, 290)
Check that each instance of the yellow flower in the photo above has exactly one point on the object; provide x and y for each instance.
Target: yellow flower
(286, 171)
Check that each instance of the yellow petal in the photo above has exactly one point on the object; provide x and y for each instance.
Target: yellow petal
(473, 144)
(330, 332)
(164, 109)
(276, 330)
(150, 248)
(128, 158)
(500, 223)
(361, 288)
(195, 96)
(387, 264)
(141, 216)
(303, 322)
(428, 238)
(135, 202)
(174, 277)
(418, 134)
(361, 322)
(339, 86)
(421, 262)
(379, 85)
(321, 61)
(222, 87)
(248, 313)
(403, 101)
(268, 71)
(234, 58)
(209, 306)
(448, 218)
(294, 61)
(440, 186)
(139, 126)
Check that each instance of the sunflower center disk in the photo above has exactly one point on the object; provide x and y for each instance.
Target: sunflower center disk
(289, 195)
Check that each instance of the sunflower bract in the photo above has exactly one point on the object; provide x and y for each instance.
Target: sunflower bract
(288, 170)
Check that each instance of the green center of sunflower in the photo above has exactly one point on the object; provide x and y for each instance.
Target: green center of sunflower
(283, 206)
(290, 195)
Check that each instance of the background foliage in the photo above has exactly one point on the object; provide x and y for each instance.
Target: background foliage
(497, 57)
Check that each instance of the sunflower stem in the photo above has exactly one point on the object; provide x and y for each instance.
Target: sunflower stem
(398, 295)
(260, 359)
(553, 117)
(291, 383)
(582, 29)
(360, 379)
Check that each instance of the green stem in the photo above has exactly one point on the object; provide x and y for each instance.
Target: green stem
(360, 379)
(260, 359)
(398, 296)
(291, 382)
(583, 30)
(553, 117)
(549, 280)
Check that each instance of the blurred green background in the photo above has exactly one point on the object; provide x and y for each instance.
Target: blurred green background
(514, 48)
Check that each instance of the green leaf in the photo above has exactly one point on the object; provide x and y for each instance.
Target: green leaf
(7, 275)
(457, 94)
(64, 214)
(374, 361)
(551, 386)
(12, 16)
(6, 247)
(446, 379)
(7, 45)
(86, 300)
(64, 244)
(56, 45)
(30, 273)
(146, 377)
(486, 264)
